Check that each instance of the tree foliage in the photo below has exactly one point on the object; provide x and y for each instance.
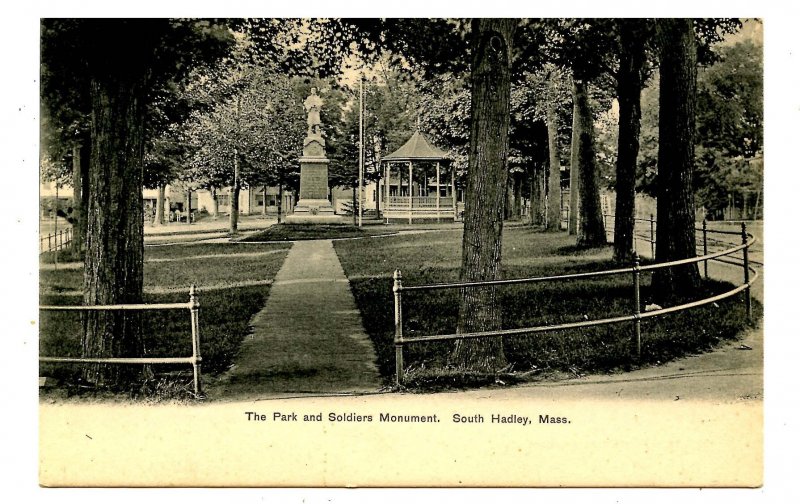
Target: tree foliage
(170, 49)
(729, 139)
(259, 115)
(730, 126)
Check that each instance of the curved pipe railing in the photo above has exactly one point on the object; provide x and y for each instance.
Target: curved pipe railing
(747, 241)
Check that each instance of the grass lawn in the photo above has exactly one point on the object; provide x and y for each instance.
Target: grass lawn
(232, 288)
(64, 256)
(290, 232)
(435, 257)
(210, 265)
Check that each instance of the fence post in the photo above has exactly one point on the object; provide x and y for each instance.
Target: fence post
(652, 238)
(637, 322)
(398, 326)
(194, 307)
(705, 246)
(745, 256)
(49, 243)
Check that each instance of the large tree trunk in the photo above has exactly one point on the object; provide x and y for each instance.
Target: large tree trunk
(591, 232)
(86, 156)
(214, 202)
(280, 199)
(537, 195)
(553, 220)
(113, 267)
(189, 205)
(80, 187)
(479, 308)
(234, 195)
(264, 206)
(160, 205)
(541, 180)
(629, 90)
(509, 206)
(574, 179)
(675, 238)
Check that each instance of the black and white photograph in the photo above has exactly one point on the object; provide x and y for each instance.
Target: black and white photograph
(411, 251)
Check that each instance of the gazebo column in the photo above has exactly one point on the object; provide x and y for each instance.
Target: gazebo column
(386, 189)
(410, 190)
(399, 180)
(438, 192)
(453, 191)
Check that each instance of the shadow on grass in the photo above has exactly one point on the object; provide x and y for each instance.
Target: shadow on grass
(64, 256)
(582, 250)
(292, 232)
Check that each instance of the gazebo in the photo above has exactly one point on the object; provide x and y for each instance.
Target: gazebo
(427, 194)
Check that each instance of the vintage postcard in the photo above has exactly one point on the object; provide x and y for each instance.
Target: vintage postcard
(401, 252)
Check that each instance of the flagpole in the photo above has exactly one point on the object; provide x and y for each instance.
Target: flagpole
(361, 150)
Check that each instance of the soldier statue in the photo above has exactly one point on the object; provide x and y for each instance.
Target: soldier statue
(313, 104)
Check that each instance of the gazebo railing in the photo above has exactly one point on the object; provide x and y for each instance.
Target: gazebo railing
(402, 202)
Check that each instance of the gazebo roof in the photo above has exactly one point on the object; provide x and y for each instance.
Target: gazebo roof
(418, 148)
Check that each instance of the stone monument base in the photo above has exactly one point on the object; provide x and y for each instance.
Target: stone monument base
(308, 211)
(314, 207)
(331, 220)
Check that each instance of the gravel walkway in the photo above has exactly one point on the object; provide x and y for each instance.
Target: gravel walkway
(308, 338)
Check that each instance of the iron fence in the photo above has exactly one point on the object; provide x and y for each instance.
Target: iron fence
(703, 229)
(638, 234)
(636, 315)
(195, 359)
(55, 241)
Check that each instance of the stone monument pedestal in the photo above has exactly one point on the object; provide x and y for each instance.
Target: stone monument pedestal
(313, 206)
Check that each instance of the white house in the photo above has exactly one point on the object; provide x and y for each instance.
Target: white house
(252, 200)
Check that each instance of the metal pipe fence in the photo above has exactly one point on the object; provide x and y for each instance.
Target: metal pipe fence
(55, 241)
(703, 230)
(640, 235)
(636, 315)
(195, 359)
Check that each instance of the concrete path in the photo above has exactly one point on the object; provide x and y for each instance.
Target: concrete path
(308, 338)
